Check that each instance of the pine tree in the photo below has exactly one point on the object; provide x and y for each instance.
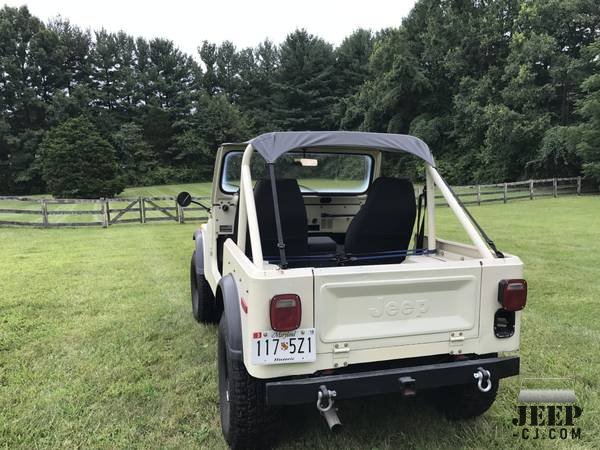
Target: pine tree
(305, 83)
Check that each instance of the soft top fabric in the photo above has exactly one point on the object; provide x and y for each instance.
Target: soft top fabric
(272, 145)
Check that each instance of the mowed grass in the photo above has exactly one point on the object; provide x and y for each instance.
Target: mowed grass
(98, 348)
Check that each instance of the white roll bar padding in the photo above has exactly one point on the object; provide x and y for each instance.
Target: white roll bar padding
(247, 211)
(431, 236)
(460, 214)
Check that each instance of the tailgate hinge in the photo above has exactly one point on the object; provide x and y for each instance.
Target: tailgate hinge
(340, 354)
(457, 337)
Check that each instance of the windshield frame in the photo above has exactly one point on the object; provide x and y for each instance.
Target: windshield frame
(305, 191)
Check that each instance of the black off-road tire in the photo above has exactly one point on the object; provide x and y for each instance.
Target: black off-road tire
(204, 308)
(246, 421)
(464, 401)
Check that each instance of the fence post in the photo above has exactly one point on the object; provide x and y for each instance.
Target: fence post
(44, 213)
(530, 189)
(140, 208)
(143, 209)
(107, 209)
(103, 213)
(505, 191)
(578, 185)
(180, 213)
(478, 195)
(555, 187)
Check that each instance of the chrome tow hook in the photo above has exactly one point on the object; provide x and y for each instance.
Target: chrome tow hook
(483, 376)
(325, 400)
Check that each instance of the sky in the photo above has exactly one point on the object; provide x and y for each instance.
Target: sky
(244, 22)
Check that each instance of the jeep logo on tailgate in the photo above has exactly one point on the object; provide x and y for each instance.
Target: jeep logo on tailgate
(399, 308)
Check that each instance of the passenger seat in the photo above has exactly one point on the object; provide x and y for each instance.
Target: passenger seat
(386, 220)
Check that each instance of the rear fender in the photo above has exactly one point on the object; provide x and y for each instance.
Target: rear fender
(231, 314)
(199, 254)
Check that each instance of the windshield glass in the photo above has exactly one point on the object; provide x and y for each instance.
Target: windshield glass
(341, 173)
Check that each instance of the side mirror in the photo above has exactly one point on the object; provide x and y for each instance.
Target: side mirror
(184, 199)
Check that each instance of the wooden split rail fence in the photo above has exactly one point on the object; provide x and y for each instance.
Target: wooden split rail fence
(107, 212)
(529, 189)
(103, 212)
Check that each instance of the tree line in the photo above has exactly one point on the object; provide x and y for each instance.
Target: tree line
(500, 90)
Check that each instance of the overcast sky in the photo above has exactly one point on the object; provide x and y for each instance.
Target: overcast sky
(244, 22)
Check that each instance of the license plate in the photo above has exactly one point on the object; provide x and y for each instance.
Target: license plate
(274, 347)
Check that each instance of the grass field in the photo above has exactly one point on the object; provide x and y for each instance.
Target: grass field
(98, 347)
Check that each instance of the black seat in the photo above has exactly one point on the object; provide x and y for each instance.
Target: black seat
(386, 220)
(294, 222)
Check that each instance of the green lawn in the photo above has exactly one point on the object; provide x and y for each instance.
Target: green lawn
(98, 347)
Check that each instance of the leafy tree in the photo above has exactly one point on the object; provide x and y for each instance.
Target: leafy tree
(588, 132)
(22, 103)
(500, 90)
(558, 155)
(215, 121)
(158, 129)
(389, 101)
(136, 157)
(77, 162)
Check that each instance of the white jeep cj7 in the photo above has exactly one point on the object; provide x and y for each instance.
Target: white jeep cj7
(327, 284)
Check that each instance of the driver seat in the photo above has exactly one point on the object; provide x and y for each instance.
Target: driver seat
(294, 222)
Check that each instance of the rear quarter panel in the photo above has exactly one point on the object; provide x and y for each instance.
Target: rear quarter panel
(474, 281)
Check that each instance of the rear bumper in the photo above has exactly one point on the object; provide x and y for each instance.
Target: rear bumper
(360, 384)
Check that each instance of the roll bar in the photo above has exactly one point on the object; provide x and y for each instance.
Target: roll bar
(248, 220)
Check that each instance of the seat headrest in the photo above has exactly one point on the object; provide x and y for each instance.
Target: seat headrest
(388, 188)
(285, 187)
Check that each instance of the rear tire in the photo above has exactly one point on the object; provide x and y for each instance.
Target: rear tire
(246, 421)
(464, 401)
(204, 308)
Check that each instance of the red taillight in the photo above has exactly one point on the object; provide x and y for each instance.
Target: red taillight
(286, 312)
(512, 294)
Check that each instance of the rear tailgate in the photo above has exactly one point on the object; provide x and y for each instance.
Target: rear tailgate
(401, 304)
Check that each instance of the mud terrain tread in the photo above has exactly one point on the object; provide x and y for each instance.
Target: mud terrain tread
(251, 422)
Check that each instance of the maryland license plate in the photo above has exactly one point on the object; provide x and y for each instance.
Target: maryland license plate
(275, 347)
